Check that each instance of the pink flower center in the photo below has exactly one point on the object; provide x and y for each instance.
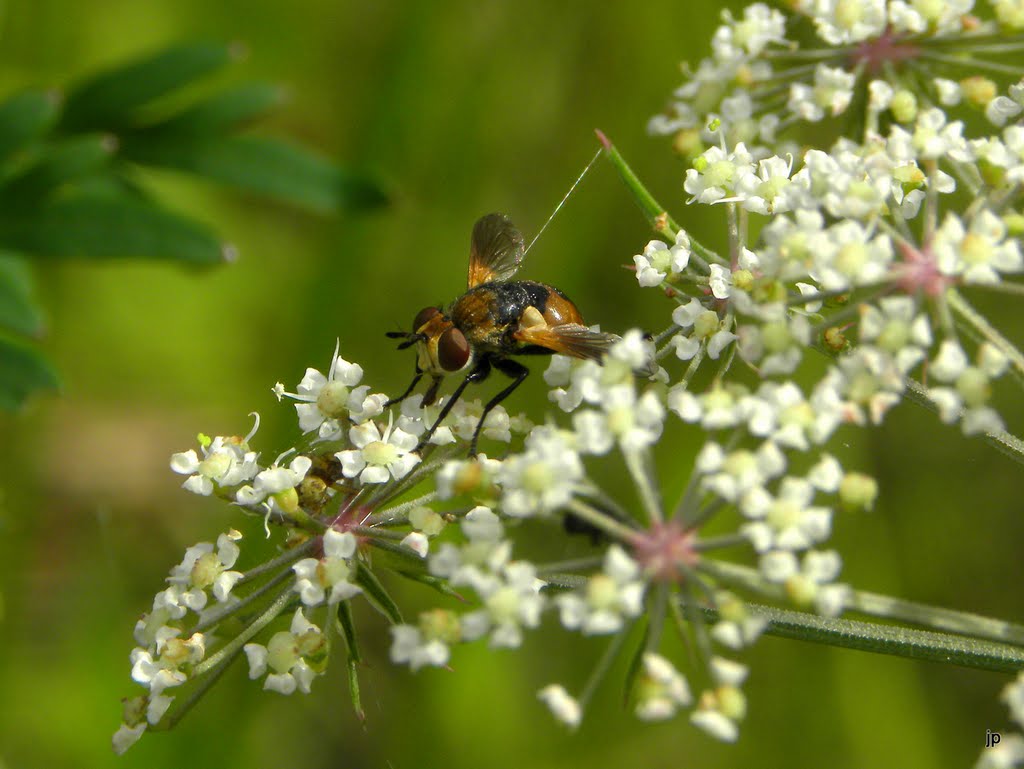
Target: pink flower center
(886, 48)
(919, 272)
(666, 551)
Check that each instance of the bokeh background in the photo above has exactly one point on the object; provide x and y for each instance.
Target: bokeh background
(462, 108)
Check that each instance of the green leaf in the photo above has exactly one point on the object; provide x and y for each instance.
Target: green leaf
(109, 227)
(62, 162)
(347, 627)
(23, 371)
(24, 117)
(18, 310)
(442, 586)
(219, 114)
(111, 99)
(353, 690)
(267, 166)
(378, 597)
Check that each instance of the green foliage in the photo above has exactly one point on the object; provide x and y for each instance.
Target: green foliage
(70, 187)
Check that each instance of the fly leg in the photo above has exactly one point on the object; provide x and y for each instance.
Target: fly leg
(479, 373)
(408, 390)
(510, 368)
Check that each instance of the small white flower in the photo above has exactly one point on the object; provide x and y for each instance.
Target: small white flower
(610, 598)
(378, 458)
(204, 568)
(543, 478)
(324, 401)
(810, 584)
(720, 710)
(787, 521)
(661, 690)
(716, 173)
(333, 572)
(512, 601)
(226, 462)
(169, 668)
(979, 253)
(285, 658)
(732, 475)
(273, 488)
(562, 705)
(839, 22)
(426, 644)
(659, 260)
(830, 94)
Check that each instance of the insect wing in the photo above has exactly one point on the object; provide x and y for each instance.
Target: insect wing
(496, 250)
(568, 339)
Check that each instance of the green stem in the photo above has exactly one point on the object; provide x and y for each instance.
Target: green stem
(639, 465)
(980, 325)
(285, 559)
(603, 522)
(220, 613)
(972, 63)
(656, 215)
(399, 513)
(214, 666)
(603, 666)
(1004, 442)
(965, 625)
(887, 639)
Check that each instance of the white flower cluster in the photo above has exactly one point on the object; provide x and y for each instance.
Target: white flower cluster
(839, 290)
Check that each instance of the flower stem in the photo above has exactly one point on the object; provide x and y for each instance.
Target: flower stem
(966, 626)
(214, 666)
(656, 215)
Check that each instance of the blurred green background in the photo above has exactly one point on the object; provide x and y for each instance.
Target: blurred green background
(463, 108)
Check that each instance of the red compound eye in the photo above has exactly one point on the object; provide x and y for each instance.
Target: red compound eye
(423, 316)
(452, 350)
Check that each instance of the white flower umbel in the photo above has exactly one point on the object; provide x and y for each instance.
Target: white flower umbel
(562, 705)
(660, 261)
(426, 644)
(630, 421)
(512, 601)
(169, 664)
(980, 252)
(543, 478)
(968, 387)
(203, 568)
(291, 659)
(330, 576)
(609, 598)
(325, 402)
(661, 689)
(226, 462)
(719, 710)
(788, 520)
(378, 457)
(273, 489)
(809, 584)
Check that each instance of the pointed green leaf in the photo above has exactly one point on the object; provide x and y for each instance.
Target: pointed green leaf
(111, 99)
(353, 690)
(63, 162)
(23, 371)
(635, 664)
(378, 597)
(267, 166)
(114, 227)
(219, 114)
(442, 586)
(18, 309)
(347, 627)
(24, 117)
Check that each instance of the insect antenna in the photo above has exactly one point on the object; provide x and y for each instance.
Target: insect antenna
(562, 201)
